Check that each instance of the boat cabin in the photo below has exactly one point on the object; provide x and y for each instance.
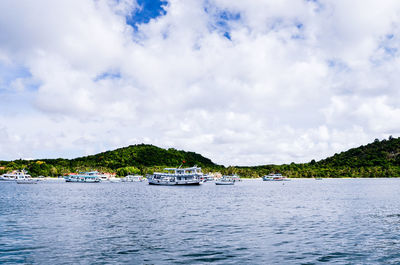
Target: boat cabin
(184, 171)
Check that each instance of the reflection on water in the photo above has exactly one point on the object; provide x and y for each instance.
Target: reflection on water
(336, 221)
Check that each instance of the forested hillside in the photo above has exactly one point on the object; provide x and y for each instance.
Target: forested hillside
(377, 159)
(379, 153)
(140, 158)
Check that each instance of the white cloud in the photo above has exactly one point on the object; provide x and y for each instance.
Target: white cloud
(297, 80)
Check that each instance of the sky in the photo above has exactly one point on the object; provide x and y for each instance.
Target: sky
(241, 82)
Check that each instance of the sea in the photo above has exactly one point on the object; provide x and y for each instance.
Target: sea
(302, 221)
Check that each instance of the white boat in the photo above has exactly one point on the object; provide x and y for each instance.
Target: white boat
(21, 177)
(177, 176)
(226, 180)
(236, 178)
(275, 177)
(132, 178)
(7, 177)
(114, 180)
(27, 181)
(207, 178)
(84, 177)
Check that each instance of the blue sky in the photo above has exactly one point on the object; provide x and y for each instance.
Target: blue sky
(146, 11)
(241, 82)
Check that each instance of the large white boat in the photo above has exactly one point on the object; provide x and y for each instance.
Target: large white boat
(85, 177)
(21, 177)
(177, 176)
(274, 177)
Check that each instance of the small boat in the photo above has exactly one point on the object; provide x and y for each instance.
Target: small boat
(114, 180)
(177, 176)
(207, 178)
(225, 180)
(275, 177)
(132, 178)
(236, 178)
(84, 177)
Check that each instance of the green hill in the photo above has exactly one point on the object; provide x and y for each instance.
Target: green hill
(143, 155)
(377, 159)
(379, 153)
(140, 158)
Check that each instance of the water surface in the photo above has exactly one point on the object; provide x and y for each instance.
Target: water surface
(334, 221)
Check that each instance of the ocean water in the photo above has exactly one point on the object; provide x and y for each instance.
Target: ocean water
(333, 221)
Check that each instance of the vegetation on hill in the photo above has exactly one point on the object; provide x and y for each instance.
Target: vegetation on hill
(133, 159)
(377, 159)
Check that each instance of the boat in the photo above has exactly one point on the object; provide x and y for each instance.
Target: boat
(236, 178)
(132, 178)
(27, 180)
(114, 180)
(207, 178)
(177, 176)
(7, 177)
(275, 177)
(21, 177)
(84, 177)
(226, 180)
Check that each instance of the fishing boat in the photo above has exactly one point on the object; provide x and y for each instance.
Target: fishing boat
(274, 177)
(132, 178)
(84, 177)
(177, 176)
(226, 180)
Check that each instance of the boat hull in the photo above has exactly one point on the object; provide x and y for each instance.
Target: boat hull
(168, 183)
(224, 183)
(82, 181)
(27, 181)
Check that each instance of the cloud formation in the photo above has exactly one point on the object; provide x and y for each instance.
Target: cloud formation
(242, 82)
